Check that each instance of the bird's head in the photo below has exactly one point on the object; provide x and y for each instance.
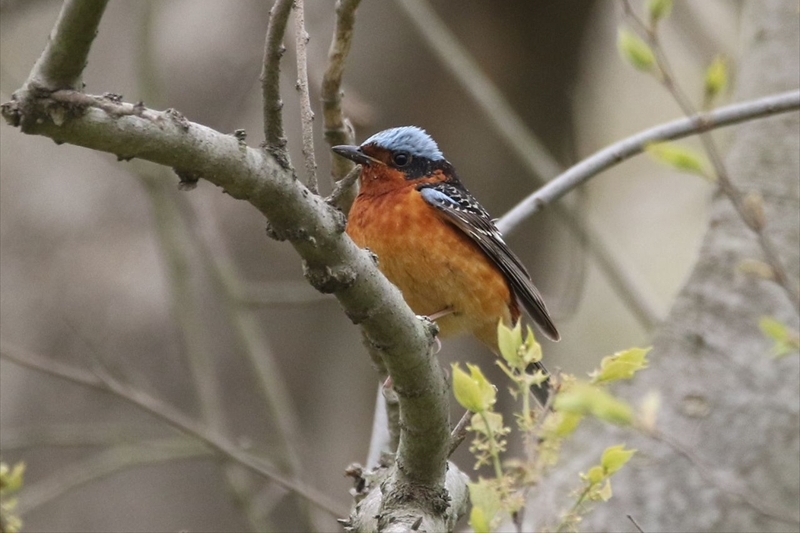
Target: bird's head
(395, 157)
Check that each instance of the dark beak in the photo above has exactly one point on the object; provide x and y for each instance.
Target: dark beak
(354, 153)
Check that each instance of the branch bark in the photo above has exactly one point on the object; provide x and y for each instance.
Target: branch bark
(331, 262)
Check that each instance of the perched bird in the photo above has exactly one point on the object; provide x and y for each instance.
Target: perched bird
(435, 242)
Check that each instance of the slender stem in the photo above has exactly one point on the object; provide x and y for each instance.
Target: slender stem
(61, 64)
(635, 144)
(103, 464)
(726, 185)
(306, 114)
(274, 138)
(337, 129)
(169, 415)
(498, 469)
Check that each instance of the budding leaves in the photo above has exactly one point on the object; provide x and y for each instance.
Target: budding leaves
(680, 158)
(635, 51)
(473, 391)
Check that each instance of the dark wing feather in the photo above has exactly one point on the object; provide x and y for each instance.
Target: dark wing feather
(458, 207)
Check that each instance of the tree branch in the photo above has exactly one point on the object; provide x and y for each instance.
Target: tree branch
(166, 413)
(306, 114)
(61, 64)
(635, 144)
(274, 138)
(337, 128)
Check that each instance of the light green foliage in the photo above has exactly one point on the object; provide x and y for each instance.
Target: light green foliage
(716, 79)
(621, 365)
(596, 485)
(658, 9)
(473, 391)
(635, 51)
(680, 158)
(587, 399)
(542, 430)
(486, 505)
(786, 339)
(489, 439)
(10, 482)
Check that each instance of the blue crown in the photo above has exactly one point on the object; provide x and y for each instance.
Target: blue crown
(409, 139)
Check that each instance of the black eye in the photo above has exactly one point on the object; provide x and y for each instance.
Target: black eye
(401, 159)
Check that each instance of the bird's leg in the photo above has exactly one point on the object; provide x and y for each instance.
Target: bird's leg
(439, 314)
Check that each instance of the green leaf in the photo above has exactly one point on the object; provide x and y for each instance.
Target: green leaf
(473, 391)
(621, 365)
(584, 398)
(509, 341)
(531, 350)
(786, 340)
(605, 492)
(494, 421)
(680, 158)
(615, 457)
(716, 78)
(567, 423)
(485, 499)
(635, 51)
(658, 9)
(595, 475)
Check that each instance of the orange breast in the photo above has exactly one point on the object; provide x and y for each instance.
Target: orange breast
(434, 264)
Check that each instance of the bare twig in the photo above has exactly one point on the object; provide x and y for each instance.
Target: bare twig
(74, 435)
(630, 146)
(341, 196)
(730, 486)
(306, 114)
(635, 523)
(459, 433)
(274, 138)
(337, 129)
(728, 188)
(511, 128)
(169, 415)
(104, 464)
(61, 64)
(251, 340)
(175, 244)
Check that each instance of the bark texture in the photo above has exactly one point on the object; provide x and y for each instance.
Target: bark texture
(723, 398)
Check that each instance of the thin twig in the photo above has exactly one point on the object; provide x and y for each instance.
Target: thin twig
(727, 486)
(306, 114)
(728, 188)
(635, 144)
(459, 432)
(175, 243)
(338, 130)
(61, 64)
(342, 191)
(274, 138)
(169, 415)
(635, 523)
(527, 147)
(104, 464)
(250, 339)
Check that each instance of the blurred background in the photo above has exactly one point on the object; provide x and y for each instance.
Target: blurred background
(108, 263)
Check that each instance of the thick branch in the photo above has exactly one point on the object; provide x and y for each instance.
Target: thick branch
(631, 146)
(61, 64)
(332, 262)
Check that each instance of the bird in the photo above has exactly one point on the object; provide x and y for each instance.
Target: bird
(436, 243)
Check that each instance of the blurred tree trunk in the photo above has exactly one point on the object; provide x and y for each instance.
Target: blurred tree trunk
(723, 398)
